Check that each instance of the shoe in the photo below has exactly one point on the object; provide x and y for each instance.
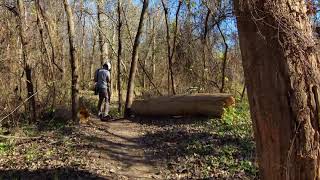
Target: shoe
(106, 118)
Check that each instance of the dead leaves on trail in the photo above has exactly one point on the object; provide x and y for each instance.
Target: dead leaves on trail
(53, 154)
(180, 148)
(190, 149)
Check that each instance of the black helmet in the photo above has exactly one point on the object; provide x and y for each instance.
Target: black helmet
(107, 65)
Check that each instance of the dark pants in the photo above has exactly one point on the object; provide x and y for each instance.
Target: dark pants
(103, 98)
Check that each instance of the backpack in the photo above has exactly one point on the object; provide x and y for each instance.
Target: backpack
(96, 88)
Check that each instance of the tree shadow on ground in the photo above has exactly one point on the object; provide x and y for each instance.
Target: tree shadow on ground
(48, 174)
(169, 120)
(113, 146)
(162, 145)
(191, 152)
(174, 143)
(116, 151)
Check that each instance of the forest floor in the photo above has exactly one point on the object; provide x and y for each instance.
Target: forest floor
(107, 150)
(140, 148)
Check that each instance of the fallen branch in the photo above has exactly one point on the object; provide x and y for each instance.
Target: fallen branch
(149, 78)
(26, 100)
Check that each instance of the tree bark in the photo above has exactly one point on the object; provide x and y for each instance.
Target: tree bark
(224, 61)
(133, 69)
(52, 39)
(282, 80)
(51, 77)
(170, 50)
(82, 45)
(204, 47)
(93, 55)
(25, 56)
(153, 54)
(74, 63)
(165, 9)
(104, 54)
(173, 85)
(119, 57)
(144, 86)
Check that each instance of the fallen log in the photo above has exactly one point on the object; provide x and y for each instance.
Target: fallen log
(184, 105)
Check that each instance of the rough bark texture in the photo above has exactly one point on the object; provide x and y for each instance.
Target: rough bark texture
(224, 62)
(153, 56)
(93, 55)
(74, 63)
(53, 39)
(204, 47)
(119, 57)
(282, 78)
(165, 9)
(51, 76)
(25, 57)
(199, 104)
(81, 56)
(170, 51)
(134, 61)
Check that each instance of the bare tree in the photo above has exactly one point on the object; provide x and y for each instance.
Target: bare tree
(169, 49)
(49, 24)
(52, 78)
(74, 63)
(282, 80)
(104, 53)
(204, 46)
(119, 57)
(25, 57)
(93, 54)
(153, 55)
(224, 62)
(134, 61)
(82, 45)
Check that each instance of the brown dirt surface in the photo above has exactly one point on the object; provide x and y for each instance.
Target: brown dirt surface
(140, 148)
(96, 150)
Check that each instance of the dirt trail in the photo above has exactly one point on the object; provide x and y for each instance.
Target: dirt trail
(118, 146)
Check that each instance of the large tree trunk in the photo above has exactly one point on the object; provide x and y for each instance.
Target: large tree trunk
(282, 78)
(104, 53)
(25, 56)
(74, 63)
(134, 61)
